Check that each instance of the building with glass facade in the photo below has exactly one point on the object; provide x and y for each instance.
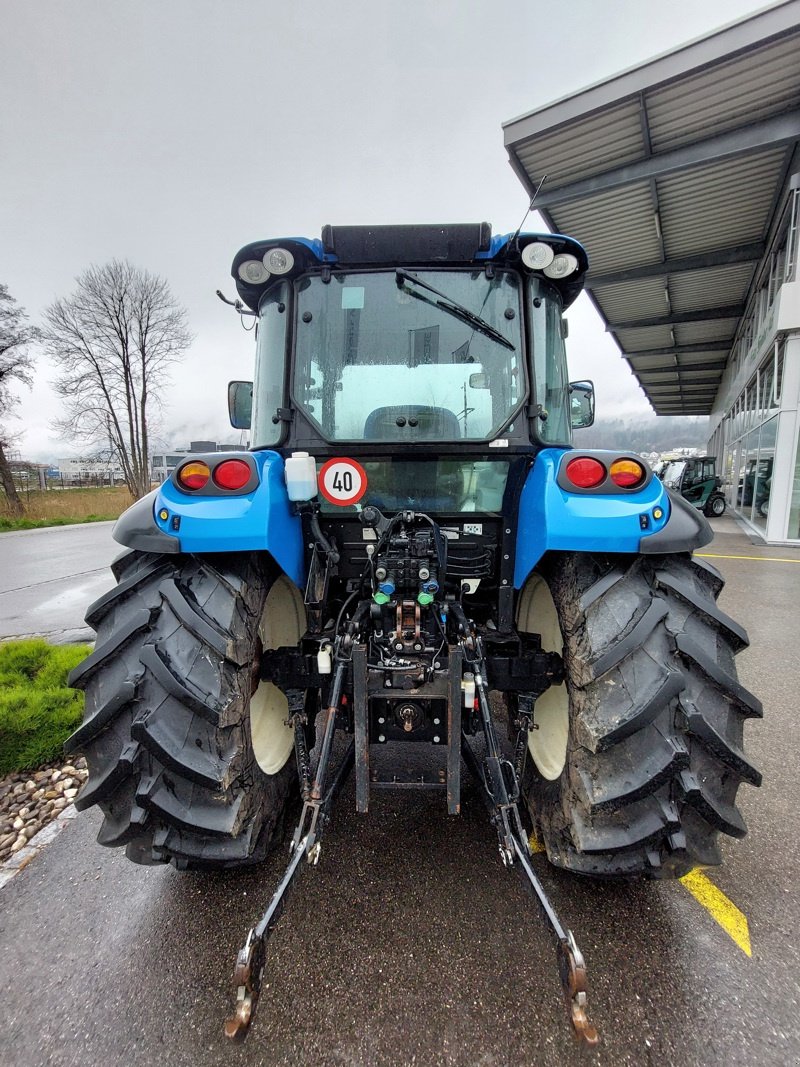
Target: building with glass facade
(682, 179)
(754, 422)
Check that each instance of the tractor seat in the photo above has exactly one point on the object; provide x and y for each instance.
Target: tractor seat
(412, 422)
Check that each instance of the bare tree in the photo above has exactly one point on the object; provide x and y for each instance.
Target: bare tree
(16, 365)
(114, 341)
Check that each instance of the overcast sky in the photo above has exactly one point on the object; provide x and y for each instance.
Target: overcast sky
(172, 132)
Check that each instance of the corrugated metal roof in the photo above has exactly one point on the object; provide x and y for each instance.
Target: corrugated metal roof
(703, 376)
(697, 332)
(696, 364)
(718, 205)
(615, 300)
(762, 82)
(696, 289)
(644, 337)
(619, 225)
(673, 172)
(587, 146)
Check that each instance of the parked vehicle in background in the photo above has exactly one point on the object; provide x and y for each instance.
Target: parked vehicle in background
(695, 478)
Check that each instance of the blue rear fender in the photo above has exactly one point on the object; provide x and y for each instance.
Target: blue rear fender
(168, 520)
(647, 521)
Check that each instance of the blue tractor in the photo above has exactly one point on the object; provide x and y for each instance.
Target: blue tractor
(412, 552)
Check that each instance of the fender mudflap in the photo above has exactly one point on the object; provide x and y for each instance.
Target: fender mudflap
(136, 528)
(685, 530)
(169, 520)
(649, 520)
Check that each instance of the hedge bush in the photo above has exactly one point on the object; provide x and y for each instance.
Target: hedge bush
(37, 710)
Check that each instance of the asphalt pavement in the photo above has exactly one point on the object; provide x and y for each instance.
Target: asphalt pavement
(411, 944)
(48, 577)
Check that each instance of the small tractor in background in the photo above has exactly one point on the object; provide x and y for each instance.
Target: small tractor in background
(412, 553)
(695, 478)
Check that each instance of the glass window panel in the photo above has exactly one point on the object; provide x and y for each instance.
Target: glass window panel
(378, 361)
(550, 376)
(794, 509)
(752, 402)
(779, 372)
(270, 365)
(729, 467)
(747, 473)
(762, 484)
(766, 379)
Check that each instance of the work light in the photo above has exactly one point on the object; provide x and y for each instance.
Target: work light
(537, 255)
(563, 265)
(278, 260)
(253, 272)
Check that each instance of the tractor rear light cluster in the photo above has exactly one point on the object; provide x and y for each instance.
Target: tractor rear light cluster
(211, 477)
(588, 472)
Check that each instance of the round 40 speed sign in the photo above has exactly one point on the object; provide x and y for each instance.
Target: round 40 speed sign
(342, 481)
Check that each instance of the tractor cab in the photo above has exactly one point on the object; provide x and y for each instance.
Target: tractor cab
(433, 355)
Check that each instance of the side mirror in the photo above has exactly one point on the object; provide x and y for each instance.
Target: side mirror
(581, 404)
(240, 404)
(479, 380)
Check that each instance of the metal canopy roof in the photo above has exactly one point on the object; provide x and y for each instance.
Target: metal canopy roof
(670, 174)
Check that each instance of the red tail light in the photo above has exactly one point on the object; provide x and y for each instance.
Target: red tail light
(232, 474)
(585, 472)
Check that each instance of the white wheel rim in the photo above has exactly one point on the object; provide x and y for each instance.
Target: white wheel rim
(547, 744)
(283, 622)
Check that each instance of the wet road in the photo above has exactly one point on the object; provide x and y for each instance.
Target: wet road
(48, 578)
(410, 943)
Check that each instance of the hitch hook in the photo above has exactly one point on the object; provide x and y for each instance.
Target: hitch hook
(247, 980)
(572, 970)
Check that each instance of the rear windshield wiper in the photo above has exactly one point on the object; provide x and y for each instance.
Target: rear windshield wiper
(461, 312)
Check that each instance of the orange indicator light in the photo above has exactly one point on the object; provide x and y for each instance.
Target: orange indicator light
(627, 473)
(193, 475)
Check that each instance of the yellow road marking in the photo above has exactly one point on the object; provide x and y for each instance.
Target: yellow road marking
(766, 559)
(722, 910)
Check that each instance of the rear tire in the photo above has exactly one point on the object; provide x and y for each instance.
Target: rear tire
(173, 700)
(651, 711)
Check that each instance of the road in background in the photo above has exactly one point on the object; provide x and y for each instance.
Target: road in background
(411, 944)
(49, 577)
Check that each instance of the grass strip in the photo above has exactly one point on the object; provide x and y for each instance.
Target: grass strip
(7, 525)
(63, 507)
(38, 711)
